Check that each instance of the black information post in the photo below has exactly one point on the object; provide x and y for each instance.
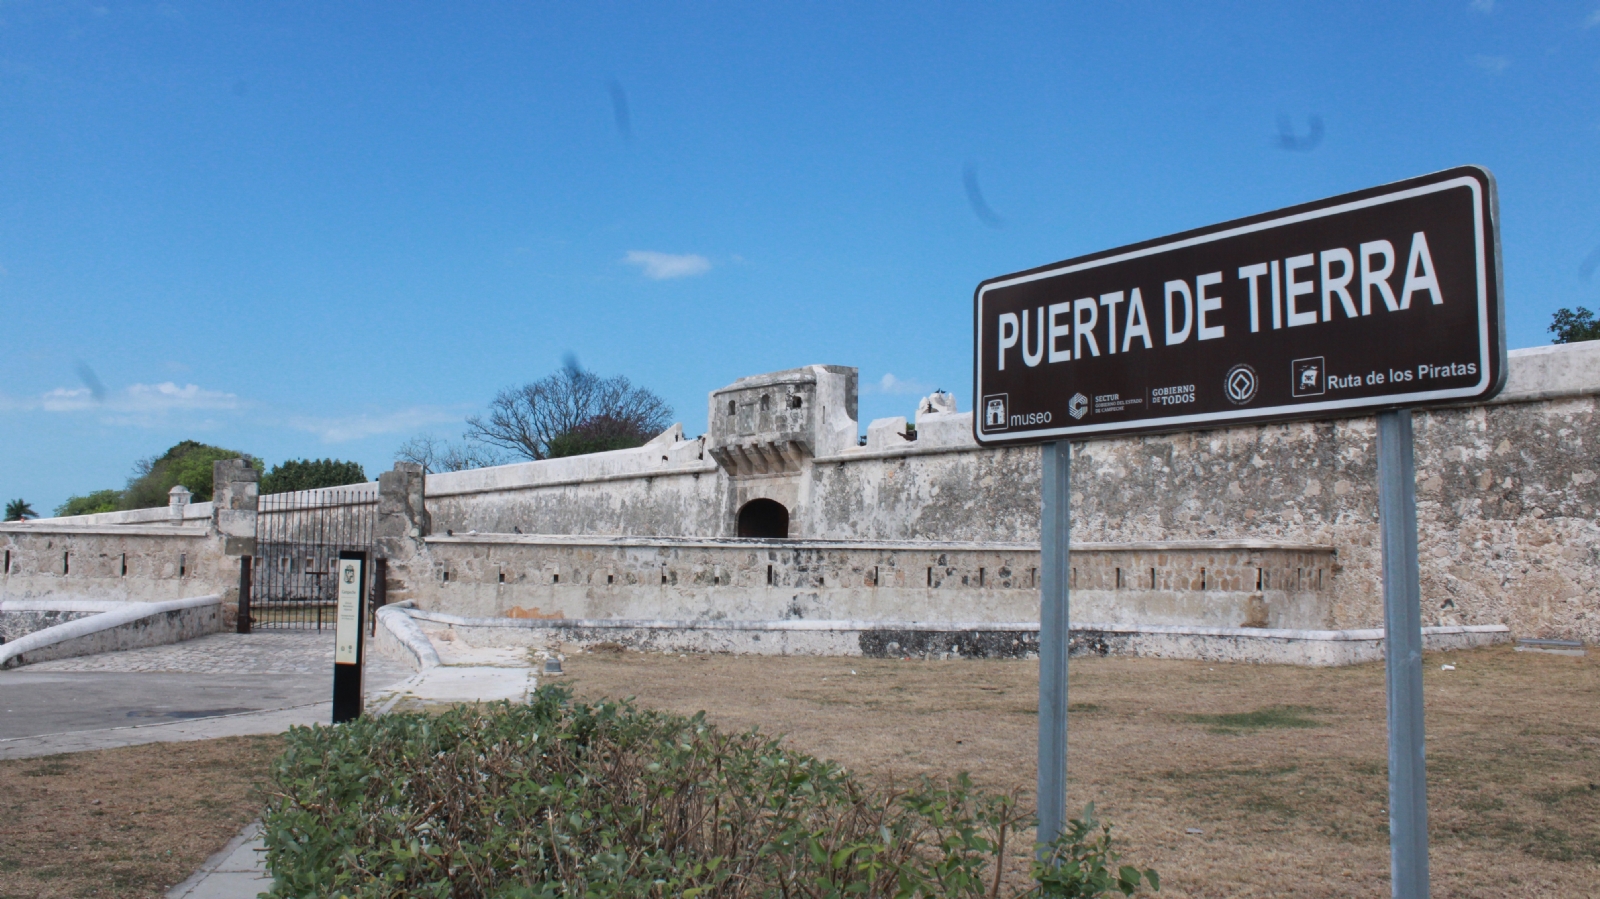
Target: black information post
(1378, 301)
(349, 644)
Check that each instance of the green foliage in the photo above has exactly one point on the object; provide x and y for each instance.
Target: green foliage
(310, 474)
(98, 501)
(188, 463)
(1571, 326)
(1080, 863)
(19, 509)
(565, 799)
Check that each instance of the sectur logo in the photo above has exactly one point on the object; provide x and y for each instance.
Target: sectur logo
(1078, 406)
(1241, 384)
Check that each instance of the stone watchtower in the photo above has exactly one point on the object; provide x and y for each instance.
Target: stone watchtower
(764, 431)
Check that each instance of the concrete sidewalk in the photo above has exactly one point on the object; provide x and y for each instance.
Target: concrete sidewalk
(272, 721)
(237, 872)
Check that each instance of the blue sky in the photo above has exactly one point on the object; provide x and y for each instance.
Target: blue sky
(306, 230)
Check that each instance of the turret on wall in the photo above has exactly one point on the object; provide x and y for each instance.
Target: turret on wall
(764, 430)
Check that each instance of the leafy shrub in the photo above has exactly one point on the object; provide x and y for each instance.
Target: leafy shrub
(566, 799)
(96, 502)
(188, 463)
(1079, 864)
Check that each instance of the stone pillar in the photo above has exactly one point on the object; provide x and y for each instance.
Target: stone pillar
(235, 494)
(403, 521)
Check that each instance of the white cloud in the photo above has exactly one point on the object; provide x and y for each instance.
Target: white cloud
(1494, 65)
(893, 385)
(355, 427)
(1593, 20)
(663, 266)
(1483, 6)
(137, 399)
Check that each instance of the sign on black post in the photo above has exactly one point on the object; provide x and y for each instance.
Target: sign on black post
(1375, 301)
(1381, 298)
(349, 646)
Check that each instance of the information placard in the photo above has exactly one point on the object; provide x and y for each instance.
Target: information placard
(1382, 298)
(347, 631)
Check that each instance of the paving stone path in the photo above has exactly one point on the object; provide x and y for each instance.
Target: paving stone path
(263, 652)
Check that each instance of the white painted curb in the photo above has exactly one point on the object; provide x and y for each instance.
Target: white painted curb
(91, 633)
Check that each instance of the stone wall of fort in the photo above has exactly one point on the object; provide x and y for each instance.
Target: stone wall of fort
(1271, 526)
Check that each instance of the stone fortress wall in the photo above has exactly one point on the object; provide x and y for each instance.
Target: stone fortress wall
(1255, 527)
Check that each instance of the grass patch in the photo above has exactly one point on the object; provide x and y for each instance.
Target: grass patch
(1321, 832)
(163, 808)
(53, 767)
(1277, 716)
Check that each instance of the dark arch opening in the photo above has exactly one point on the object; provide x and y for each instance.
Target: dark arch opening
(763, 518)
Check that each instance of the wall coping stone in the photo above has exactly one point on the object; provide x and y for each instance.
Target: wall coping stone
(154, 515)
(1362, 634)
(83, 627)
(56, 526)
(396, 619)
(435, 492)
(895, 546)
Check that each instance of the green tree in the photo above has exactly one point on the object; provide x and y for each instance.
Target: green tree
(1571, 326)
(19, 510)
(98, 501)
(309, 474)
(188, 463)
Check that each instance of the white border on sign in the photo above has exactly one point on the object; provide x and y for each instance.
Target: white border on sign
(1355, 403)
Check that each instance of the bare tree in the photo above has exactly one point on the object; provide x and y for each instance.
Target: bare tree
(526, 420)
(435, 454)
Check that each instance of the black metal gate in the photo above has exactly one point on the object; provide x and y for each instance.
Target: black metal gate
(298, 539)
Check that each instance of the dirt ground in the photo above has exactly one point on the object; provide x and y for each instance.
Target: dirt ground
(1281, 770)
(126, 823)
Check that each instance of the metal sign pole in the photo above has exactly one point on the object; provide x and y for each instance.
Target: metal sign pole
(1055, 581)
(1402, 629)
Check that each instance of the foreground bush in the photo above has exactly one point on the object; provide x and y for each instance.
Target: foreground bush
(559, 798)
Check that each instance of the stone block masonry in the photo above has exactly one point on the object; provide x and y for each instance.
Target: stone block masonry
(145, 555)
(1507, 493)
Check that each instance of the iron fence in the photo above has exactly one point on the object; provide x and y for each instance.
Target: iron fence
(298, 539)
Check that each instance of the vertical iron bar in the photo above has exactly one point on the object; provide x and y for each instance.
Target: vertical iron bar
(1055, 537)
(1402, 630)
(242, 625)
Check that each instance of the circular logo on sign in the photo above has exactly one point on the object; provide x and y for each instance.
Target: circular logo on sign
(1241, 384)
(1078, 406)
(349, 575)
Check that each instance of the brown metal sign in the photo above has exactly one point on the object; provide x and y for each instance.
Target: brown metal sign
(1381, 298)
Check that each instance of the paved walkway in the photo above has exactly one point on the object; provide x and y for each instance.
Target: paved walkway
(237, 872)
(240, 684)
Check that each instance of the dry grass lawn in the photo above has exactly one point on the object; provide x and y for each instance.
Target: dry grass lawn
(126, 823)
(1281, 769)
